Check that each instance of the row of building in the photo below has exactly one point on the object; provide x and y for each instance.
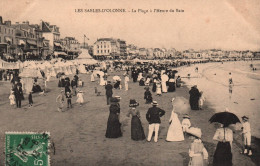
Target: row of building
(39, 41)
(114, 48)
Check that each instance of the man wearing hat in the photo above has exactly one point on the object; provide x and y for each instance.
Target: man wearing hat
(109, 91)
(153, 117)
(246, 131)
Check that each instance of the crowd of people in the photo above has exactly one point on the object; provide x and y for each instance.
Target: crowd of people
(162, 79)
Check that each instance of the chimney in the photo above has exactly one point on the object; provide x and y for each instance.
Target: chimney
(1, 20)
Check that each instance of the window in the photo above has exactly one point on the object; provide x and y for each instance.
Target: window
(105, 51)
(9, 31)
(104, 46)
(101, 46)
(101, 51)
(0, 28)
(5, 30)
(97, 46)
(101, 42)
(97, 51)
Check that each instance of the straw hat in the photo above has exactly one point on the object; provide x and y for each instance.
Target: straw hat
(195, 131)
(133, 103)
(118, 97)
(154, 103)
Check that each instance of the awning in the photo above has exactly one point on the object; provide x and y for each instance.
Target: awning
(31, 42)
(20, 42)
(8, 39)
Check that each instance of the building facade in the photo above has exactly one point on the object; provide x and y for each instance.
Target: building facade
(109, 48)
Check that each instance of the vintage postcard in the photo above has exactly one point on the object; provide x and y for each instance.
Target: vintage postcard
(120, 82)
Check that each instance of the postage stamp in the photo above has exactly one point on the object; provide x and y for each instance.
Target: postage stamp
(27, 148)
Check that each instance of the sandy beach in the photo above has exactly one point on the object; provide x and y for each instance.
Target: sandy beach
(79, 133)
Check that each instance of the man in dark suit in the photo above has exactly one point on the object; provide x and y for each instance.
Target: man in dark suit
(109, 91)
(153, 117)
(18, 92)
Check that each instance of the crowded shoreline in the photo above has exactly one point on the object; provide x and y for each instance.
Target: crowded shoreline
(164, 102)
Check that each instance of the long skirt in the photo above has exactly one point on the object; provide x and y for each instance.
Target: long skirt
(154, 87)
(113, 126)
(137, 131)
(223, 155)
(171, 87)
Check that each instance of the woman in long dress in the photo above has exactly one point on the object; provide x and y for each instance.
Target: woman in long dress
(171, 87)
(175, 132)
(137, 131)
(223, 155)
(113, 124)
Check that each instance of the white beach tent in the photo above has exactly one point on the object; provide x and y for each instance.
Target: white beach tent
(85, 58)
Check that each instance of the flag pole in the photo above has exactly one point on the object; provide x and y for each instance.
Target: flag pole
(84, 41)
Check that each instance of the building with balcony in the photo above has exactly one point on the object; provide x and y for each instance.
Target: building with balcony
(71, 46)
(7, 39)
(109, 48)
(52, 34)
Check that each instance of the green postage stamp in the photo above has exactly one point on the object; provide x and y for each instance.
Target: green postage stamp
(27, 149)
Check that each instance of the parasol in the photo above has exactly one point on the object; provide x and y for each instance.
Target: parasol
(225, 118)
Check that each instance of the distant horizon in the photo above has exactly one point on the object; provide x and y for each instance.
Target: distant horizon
(231, 25)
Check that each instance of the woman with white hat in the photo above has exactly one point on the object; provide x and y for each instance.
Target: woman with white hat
(197, 152)
(175, 132)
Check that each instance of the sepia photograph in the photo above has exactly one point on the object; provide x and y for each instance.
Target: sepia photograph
(129, 83)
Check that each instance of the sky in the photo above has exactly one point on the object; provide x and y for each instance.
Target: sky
(204, 24)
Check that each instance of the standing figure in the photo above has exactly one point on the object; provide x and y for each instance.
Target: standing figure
(126, 82)
(113, 124)
(74, 86)
(30, 99)
(201, 100)
(69, 96)
(194, 98)
(185, 123)
(109, 91)
(60, 100)
(12, 98)
(197, 152)
(92, 77)
(230, 80)
(148, 96)
(158, 88)
(80, 98)
(223, 155)
(178, 82)
(246, 131)
(18, 92)
(153, 117)
(154, 84)
(175, 132)
(164, 78)
(137, 131)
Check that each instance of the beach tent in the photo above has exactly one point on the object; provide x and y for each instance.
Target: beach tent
(27, 75)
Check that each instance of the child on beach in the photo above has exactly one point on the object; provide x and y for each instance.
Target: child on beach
(197, 152)
(30, 99)
(69, 96)
(92, 77)
(148, 96)
(201, 100)
(80, 83)
(12, 98)
(246, 131)
(230, 78)
(185, 123)
(80, 99)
